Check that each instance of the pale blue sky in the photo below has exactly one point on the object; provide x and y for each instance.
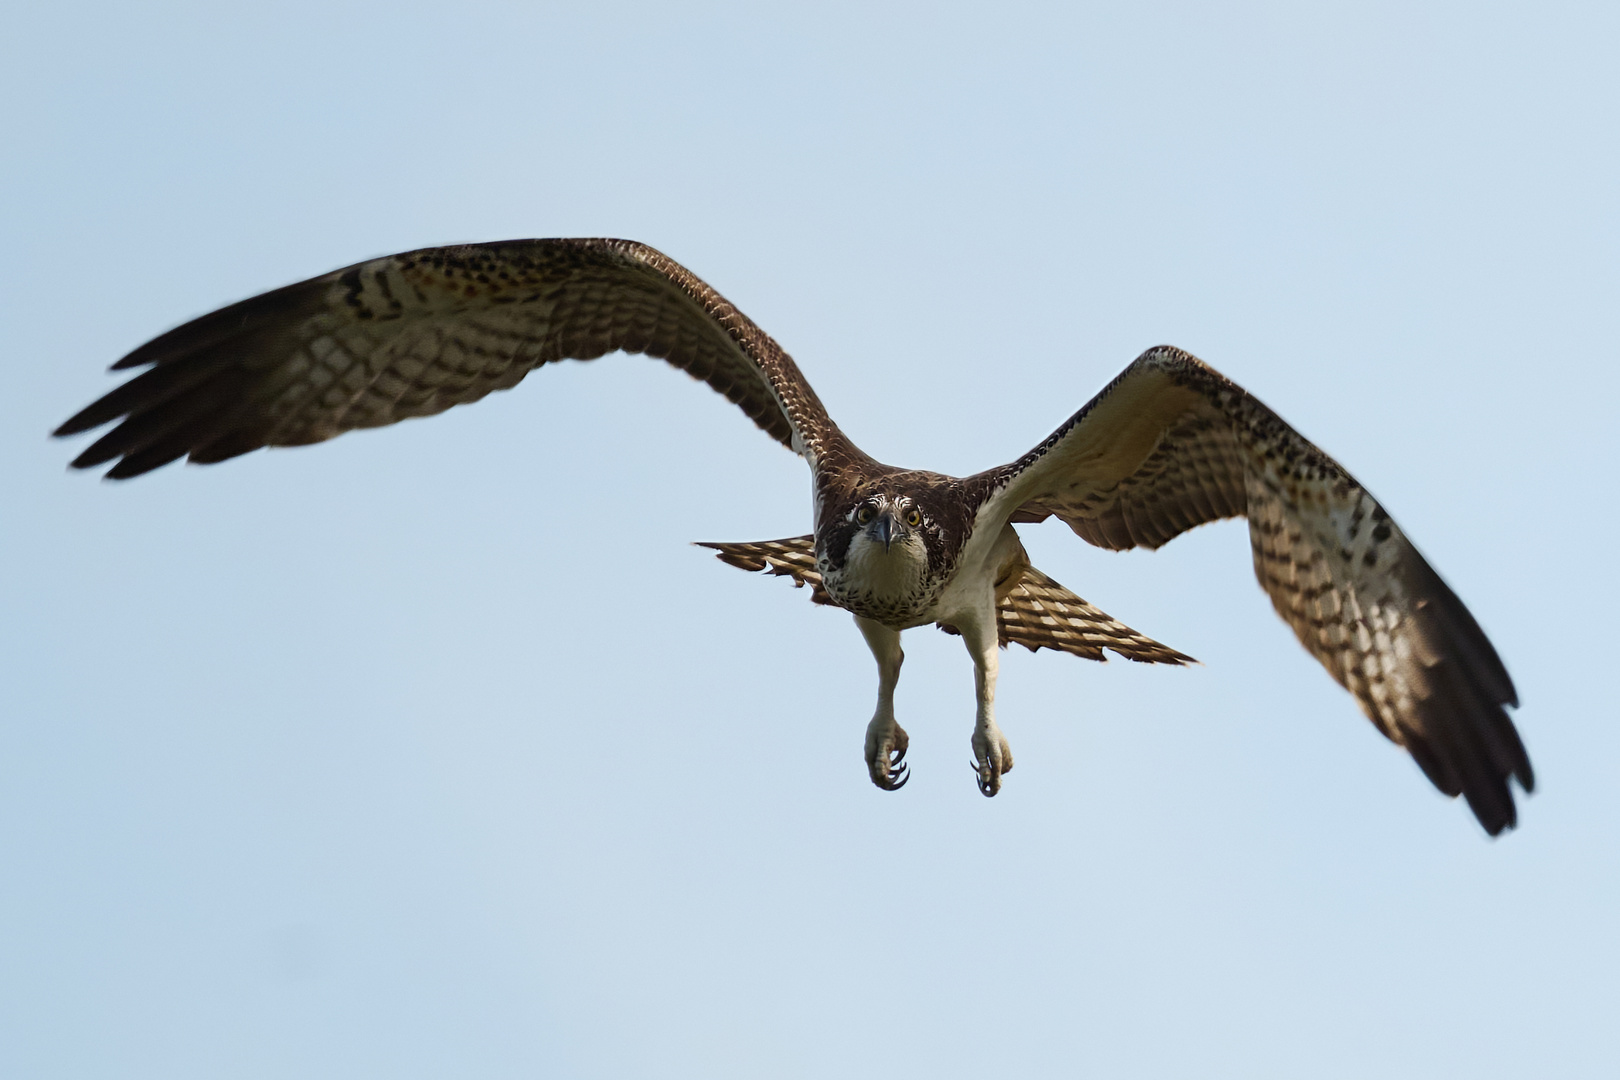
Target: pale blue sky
(436, 751)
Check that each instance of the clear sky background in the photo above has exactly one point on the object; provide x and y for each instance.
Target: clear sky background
(436, 751)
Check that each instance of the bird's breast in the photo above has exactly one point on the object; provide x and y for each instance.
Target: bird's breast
(892, 585)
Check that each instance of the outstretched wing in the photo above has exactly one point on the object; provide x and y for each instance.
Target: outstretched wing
(1171, 443)
(1034, 611)
(415, 333)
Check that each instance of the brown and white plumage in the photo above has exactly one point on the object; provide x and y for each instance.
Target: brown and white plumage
(1168, 445)
(1171, 444)
(413, 334)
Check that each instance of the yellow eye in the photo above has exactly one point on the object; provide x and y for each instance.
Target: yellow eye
(864, 515)
(914, 518)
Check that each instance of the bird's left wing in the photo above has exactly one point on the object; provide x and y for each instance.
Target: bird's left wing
(416, 333)
(1171, 443)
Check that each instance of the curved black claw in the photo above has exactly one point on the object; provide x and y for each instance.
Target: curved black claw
(886, 745)
(899, 771)
(989, 783)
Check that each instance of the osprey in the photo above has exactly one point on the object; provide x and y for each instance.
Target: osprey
(1168, 445)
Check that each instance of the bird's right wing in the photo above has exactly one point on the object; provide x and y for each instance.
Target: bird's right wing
(416, 333)
(1171, 443)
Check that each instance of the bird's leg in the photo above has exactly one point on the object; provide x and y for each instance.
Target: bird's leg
(991, 755)
(886, 740)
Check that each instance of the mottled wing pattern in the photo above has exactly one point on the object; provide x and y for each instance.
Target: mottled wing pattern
(1194, 476)
(1171, 444)
(1367, 605)
(1035, 612)
(416, 333)
(1038, 613)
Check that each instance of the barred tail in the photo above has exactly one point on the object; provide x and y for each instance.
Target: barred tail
(794, 557)
(1041, 614)
(1036, 613)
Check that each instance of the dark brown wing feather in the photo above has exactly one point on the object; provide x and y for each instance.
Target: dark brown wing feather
(1034, 611)
(416, 333)
(1171, 444)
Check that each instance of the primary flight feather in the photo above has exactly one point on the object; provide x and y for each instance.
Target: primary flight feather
(1168, 445)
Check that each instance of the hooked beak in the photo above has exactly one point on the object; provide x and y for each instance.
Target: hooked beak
(884, 528)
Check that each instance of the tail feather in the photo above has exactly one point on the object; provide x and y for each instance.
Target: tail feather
(794, 557)
(1036, 613)
(1041, 614)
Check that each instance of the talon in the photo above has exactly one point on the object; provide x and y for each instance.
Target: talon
(992, 759)
(894, 781)
(886, 745)
(988, 780)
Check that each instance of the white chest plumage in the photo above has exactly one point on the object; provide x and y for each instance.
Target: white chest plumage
(890, 584)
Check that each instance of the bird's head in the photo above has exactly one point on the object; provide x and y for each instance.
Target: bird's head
(892, 522)
(890, 539)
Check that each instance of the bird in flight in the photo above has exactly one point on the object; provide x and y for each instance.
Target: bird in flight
(1167, 445)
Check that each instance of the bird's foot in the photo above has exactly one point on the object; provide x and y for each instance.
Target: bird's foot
(886, 743)
(992, 757)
